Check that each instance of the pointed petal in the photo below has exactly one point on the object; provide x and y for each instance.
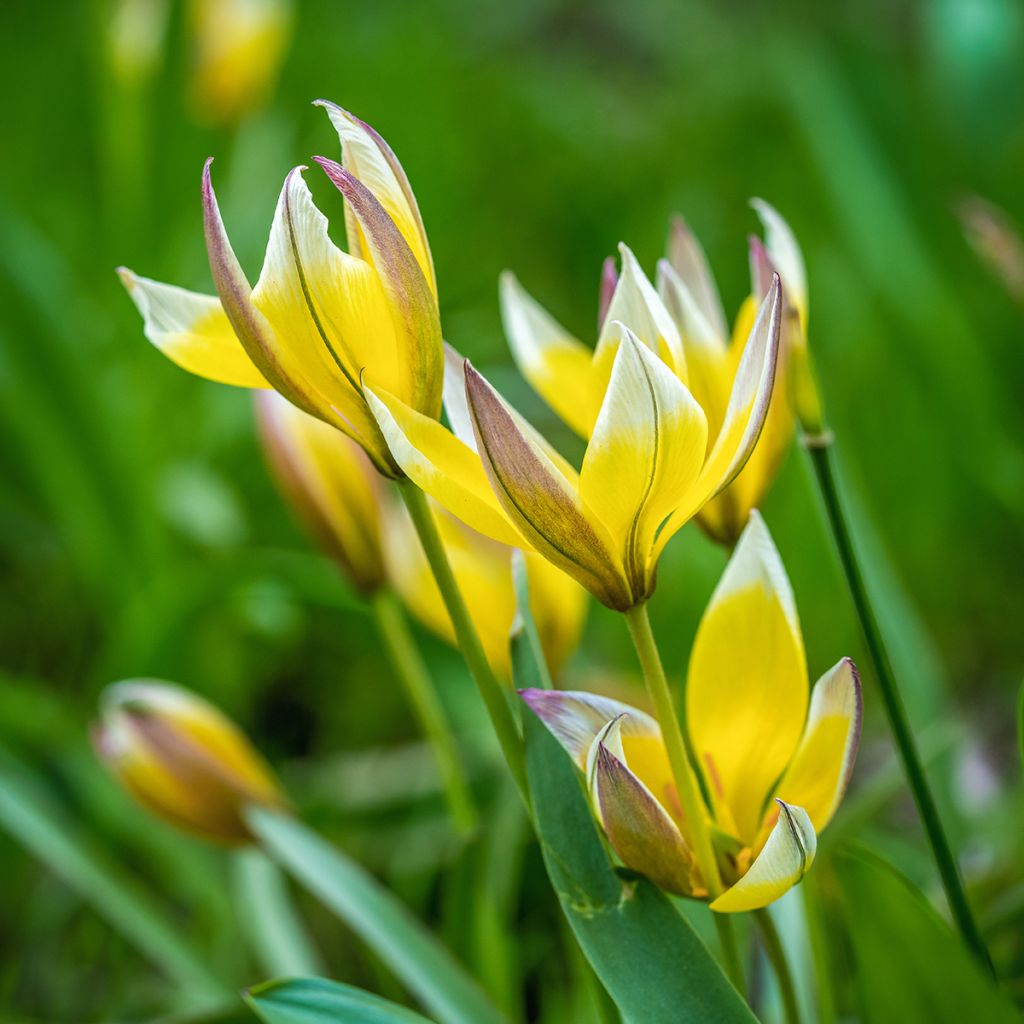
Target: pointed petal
(541, 499)
(609, 280)
(785, 859)
(646, 451)
(784, 251)
(440, 465)
(192, 330)
(744, 418)
(557, 366)
(370, 159)
(413, 306)
(640, 830)
(636, 304)
(820, 770)
(746, 694)
(687, 259)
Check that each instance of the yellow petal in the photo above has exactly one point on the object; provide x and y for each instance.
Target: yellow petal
(686, 259)
(192, 330)
(785, 859)
(784, 251)
(820, 770)
(441, 465)
(646, 451)
(639, 828)
(744, 417)
(557, 366)
(542, 500)
(330, 482)
(636, 304)
(746, 694)
(370, 159)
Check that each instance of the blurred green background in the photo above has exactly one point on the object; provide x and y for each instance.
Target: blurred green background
(140, 533)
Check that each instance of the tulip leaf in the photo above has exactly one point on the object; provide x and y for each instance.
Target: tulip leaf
(910, 964)
(411, 950)
(317, 1001)
(646, 954)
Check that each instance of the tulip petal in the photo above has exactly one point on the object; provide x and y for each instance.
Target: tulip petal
(646, 451)
(559, 607)
(576, 717)
(820, 770)
(556, 365)
(609, 279)
(744, 417)
(192, 330)
(784, 252)
(640, 830)
(440, 465)
(746, 694)
(636, 303)
(541, 499)
(687, 260)
(370, 159)
(417, 373)
(787, 856)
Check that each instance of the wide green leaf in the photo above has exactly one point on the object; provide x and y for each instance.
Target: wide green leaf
(910, 964)
(316, 1001)
(411, 950)
(645, 953)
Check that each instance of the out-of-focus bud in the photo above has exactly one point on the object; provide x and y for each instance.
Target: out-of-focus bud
(331, 484)
(992, 235)
(183, 759)
(483, 570)
(237, 47)
(135, 39)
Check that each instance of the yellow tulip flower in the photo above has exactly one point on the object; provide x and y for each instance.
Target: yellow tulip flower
(340, 496)
(651, 463)
(182, 759)
(319, 319)
(237, 49)
(775, 758)
(686, 324)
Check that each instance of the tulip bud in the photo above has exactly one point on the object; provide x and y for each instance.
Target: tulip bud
(331, 484)
(182, 759)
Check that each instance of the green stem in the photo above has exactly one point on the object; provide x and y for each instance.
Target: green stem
(491, 691)
(687, 787)
(777, 956)
(412, 673)
(819, 951)
(819, 448)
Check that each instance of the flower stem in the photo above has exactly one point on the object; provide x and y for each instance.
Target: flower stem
(412, 674)
(686, 782)
(777, 955)
(490, 689)
(819, 951)
(819, 447)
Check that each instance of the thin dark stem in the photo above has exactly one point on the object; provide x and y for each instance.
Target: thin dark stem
(820, 450)
(777, 955)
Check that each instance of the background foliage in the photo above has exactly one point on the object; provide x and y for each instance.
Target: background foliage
(140, 534)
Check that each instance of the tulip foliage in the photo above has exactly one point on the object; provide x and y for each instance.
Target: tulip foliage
(666, 837)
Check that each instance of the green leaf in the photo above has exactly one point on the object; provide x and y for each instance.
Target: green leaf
(316, 1001)
(411, 950)
(645, 953)
(28, 813)
(1020, 724)
(910, 964)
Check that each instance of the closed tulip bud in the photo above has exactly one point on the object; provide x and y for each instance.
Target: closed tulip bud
(775, 756)
(182, 759)
(330, 483)
(319, 321)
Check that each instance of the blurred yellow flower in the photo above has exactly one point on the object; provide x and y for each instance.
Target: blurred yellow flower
(650, 464)
(319, 319)
(335, 489)
(775, 759)
(182, 759)
(237, 49)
